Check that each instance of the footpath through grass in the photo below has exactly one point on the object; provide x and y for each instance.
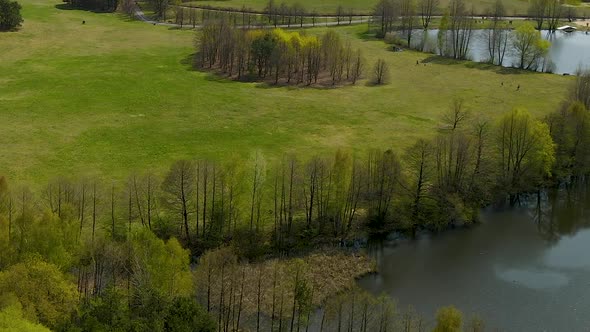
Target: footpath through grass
(114, 95)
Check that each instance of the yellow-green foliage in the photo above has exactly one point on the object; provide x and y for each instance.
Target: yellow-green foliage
(448, 319)
(12, 320)
(525, 143)
(54, 238)
(160, 266)
(42, 289)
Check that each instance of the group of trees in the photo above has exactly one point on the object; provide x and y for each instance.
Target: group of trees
(546, 13)
(402, 15)
(277, 55)
(98, 5)
(10, 17)
(456, 30)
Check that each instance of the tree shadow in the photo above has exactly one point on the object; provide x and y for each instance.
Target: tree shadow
(367, 36)
(440, 60)
(189, 62)
(65, 6)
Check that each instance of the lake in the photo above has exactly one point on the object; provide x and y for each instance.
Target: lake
(523, 269)
(569, 51)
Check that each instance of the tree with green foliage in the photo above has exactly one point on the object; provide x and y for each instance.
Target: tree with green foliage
(448, 319)
(570, 130)
(12, 319)
(529, 47)
(525, 152)
(186, 315)
(45, 293)
(10, 17)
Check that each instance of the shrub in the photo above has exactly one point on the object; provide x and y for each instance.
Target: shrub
(10, 17)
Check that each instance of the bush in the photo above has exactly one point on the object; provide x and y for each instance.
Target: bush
(10, 17)
(187, 315)
(448, 319)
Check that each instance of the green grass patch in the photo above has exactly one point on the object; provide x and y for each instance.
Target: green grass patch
(115, 95)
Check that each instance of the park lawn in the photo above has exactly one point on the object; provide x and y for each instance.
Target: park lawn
(514, 7)
(114, 96)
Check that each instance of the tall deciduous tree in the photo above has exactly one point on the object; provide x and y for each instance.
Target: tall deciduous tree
(529, 47)
(380, 72)
(497, 34)
(180, 193)
(427, 10)
(525, 152)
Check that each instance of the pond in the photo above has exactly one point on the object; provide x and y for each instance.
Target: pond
(525, 269)
(569, 51)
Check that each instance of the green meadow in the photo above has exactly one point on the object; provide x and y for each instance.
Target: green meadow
(116, 95)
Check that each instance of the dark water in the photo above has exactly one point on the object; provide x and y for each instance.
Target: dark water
(525, 269)
(569, 51)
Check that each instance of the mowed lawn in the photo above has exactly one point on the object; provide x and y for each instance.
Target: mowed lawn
(114, 96)
(514, 7)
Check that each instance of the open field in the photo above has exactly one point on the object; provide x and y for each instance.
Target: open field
(116, 95)
(514, 7)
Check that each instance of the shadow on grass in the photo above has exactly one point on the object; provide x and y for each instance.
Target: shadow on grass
(440, 60)
(367, 36)
(65, 6)
(295, 86)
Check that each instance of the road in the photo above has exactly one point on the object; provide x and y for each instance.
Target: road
(140, 15)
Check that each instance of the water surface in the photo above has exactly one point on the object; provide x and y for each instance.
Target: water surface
(525, 269)
(569, 51)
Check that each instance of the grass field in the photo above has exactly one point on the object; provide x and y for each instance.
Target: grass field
(514, 7)
(115, 95)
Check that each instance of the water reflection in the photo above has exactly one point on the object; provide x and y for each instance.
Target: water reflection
(569, 51)
(534, 279)
(525, 269)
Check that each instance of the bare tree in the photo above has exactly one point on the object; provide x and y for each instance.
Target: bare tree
(381, 72)
(497, 34)
(538, 12)
(456, 114)
(408, 18)
(461, 29)
(427, 10)
(179, 188)
(358, 67)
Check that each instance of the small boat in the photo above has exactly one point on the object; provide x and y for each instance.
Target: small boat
(567, 28)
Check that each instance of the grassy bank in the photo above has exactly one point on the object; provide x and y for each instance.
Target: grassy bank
(113, 96)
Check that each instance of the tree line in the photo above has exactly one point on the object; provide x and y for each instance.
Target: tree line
(263, 206)
(400, 20)
(277, 55)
